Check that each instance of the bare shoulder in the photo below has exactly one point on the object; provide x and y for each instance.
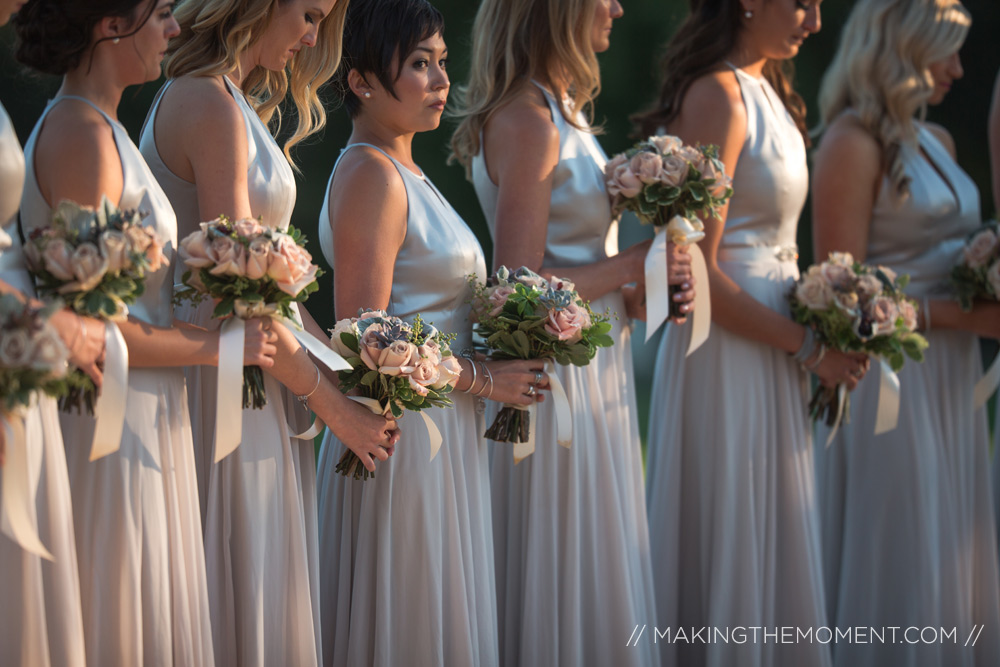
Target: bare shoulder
(712, 111)
(525, 120)
(74, 128)
(368, 178)
(199, 107)
(847, 136)
(944, 136)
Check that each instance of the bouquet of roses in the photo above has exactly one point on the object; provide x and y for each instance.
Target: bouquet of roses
(33, 358)
(251, 271)
(853, 307)
(96, 260)
(520, 315)
(396, 367)
(667, 184)
(977, 274)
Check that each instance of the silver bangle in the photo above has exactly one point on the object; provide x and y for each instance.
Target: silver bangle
(808, 346)
(472, 385)
(819, 358)
(489, 379)
(305, 398)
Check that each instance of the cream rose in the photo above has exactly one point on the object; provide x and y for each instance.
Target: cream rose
(371, 346)
(498, 298)
(909, 314)
(449, 372)
(813, 292)
(115, 248)
(138, 238)
(883, 313)
(979, 250)
(647, 167)
(49, 353)
(666, 143)
(675, 171)
(57, 258)
(290, 266)
(624, 183)
(248, 228)
(868, 285)
(345, 326)
(228, 257)
(568, 323)
(430, 350)
(425, 374)
(839, 276)
(398, 359)
(154, 254)
(15, 348)
(89, 268)
(258, 258)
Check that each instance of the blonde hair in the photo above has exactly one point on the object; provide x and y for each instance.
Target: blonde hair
(881, 71)
(215, 33)
(515, 41)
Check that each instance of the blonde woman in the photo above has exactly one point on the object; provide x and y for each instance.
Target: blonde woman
(908, 529)
(207, 141)
(571, 544)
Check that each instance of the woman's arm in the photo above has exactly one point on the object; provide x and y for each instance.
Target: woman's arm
(713, 113)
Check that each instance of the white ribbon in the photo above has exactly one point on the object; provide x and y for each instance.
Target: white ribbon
(657, 290)
(887, 417)
(682, 232)
(109, 411)
(564, 416)
(841, 400)
(229, 390)
(701, 319)
(433, 434)
(18, 521)
(987, 384)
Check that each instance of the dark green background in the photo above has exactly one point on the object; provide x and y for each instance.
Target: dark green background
(629, 72)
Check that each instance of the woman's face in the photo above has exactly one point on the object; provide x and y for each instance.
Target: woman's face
(421, 90)
(605, 12)
(944, 72)
(778, 28)
(294, 24)
(8, 8)
(149, 43)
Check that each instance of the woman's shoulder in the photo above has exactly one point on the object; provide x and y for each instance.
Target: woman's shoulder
(526, 117)
(200, 102)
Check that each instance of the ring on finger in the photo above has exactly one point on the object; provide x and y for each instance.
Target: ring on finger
(531, 390)
(858, 374)
(538, 376)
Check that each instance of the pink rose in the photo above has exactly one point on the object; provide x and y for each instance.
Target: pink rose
(430, 350)
(154, 254)
(370, 345)
(258, 258)
(228, 257)
(647, 166)
(196, 249)
(993, 278)
(611, 165)
(498, 297)
(115, 249)
(666, 144)
(980, 249)
(248, 228)
(567, 324)
(868, 285)
(290, 266)
(370, 314)
(713, 169)
(839, 277)
(909, 314)
(397, 359)
(883, 313)
(89, 268)
(57, 258)
(425, 374)
(138, 238)
(449, 371)
(813, 292)
(624, 182)
(675, 171)
(692, 155)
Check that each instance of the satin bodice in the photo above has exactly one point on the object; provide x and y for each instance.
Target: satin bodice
(438, 252)
(12, 269)
(924, 233)
(139, 191)
(581, 229)
(771, 180)
(270, 181)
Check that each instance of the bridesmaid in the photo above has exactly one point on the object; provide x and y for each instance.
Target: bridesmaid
(41, 623)
(733, 523)
(207, 142)
(908, 531)
(408, 556)
(138, 536)
(571, 542)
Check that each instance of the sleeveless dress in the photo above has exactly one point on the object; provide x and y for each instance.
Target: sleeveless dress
(730, 487)
(138, 537)
(408, 555)
(41, 622)
(258, 503)
(908, 527)
(569, 525)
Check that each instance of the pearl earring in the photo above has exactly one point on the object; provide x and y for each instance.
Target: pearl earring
(116, 40)
(368, 94)
(748, 14)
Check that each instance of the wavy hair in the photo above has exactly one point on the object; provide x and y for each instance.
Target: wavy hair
(515, 41)
(701, 45)
(215, 33)
(881, 70)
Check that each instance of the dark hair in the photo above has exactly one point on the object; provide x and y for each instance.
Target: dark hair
(53, 35)
(378, 36)
(701, 44)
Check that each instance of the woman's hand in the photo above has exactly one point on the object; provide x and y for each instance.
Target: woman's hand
(635, 255)
(518, 381)
(259, 342)
(635, 301)
(84, 338)
(368, 435)
(846, 368)
(680, 273)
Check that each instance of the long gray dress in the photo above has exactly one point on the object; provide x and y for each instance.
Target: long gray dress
(138, 534)
(572, 547)
(259, 503)
(407, 575)
(732, 509)
(908, 530)
(40, 622)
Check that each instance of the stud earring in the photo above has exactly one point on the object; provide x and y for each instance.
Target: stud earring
(748, 14)
(116, 40)
(367, 94)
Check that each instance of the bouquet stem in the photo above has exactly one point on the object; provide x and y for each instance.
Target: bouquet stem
(253, 388)
(510, 425)
(82, 394)
(824, 403)
(350, 466)
(675, 306)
